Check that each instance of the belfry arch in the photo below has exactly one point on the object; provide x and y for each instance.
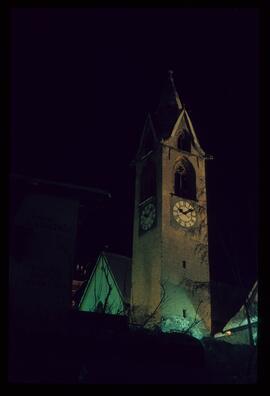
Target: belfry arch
(184, 141)
(185, 180)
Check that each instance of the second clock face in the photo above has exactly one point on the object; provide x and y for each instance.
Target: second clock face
(184, 213)
(147, 217)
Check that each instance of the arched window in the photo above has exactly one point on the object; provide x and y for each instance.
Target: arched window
(184, 141)
(185, 180)
(148, 181)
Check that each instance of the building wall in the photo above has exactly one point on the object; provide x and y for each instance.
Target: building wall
(146, 259)
(189, 245)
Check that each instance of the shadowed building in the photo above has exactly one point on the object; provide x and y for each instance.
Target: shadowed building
(45, 219)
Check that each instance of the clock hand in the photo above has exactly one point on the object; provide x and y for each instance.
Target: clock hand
(181, 211)
(189, 210)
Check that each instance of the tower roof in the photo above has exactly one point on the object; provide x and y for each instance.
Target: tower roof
(168, 109)
(169, 95)
(120, 267)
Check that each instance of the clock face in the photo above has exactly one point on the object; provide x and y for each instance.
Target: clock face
(184, 213)
(147, 216)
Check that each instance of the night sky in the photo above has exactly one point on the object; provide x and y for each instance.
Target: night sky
(83, 81)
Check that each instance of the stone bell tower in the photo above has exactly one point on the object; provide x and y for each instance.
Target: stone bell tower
(170, 268)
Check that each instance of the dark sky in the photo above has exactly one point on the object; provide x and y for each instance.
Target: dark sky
(83, 81)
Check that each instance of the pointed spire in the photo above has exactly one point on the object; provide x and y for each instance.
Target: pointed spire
(175, 93)
(148, 138)
(169, 96)
(169, 108)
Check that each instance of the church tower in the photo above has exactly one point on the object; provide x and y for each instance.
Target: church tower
(170, 267)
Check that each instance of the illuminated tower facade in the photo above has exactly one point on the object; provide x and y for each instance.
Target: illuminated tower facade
(170, 267)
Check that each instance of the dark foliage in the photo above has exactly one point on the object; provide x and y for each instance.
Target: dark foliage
(103, 349)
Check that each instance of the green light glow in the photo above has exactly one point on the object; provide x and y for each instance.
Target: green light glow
(179, 324)
(102, 292)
